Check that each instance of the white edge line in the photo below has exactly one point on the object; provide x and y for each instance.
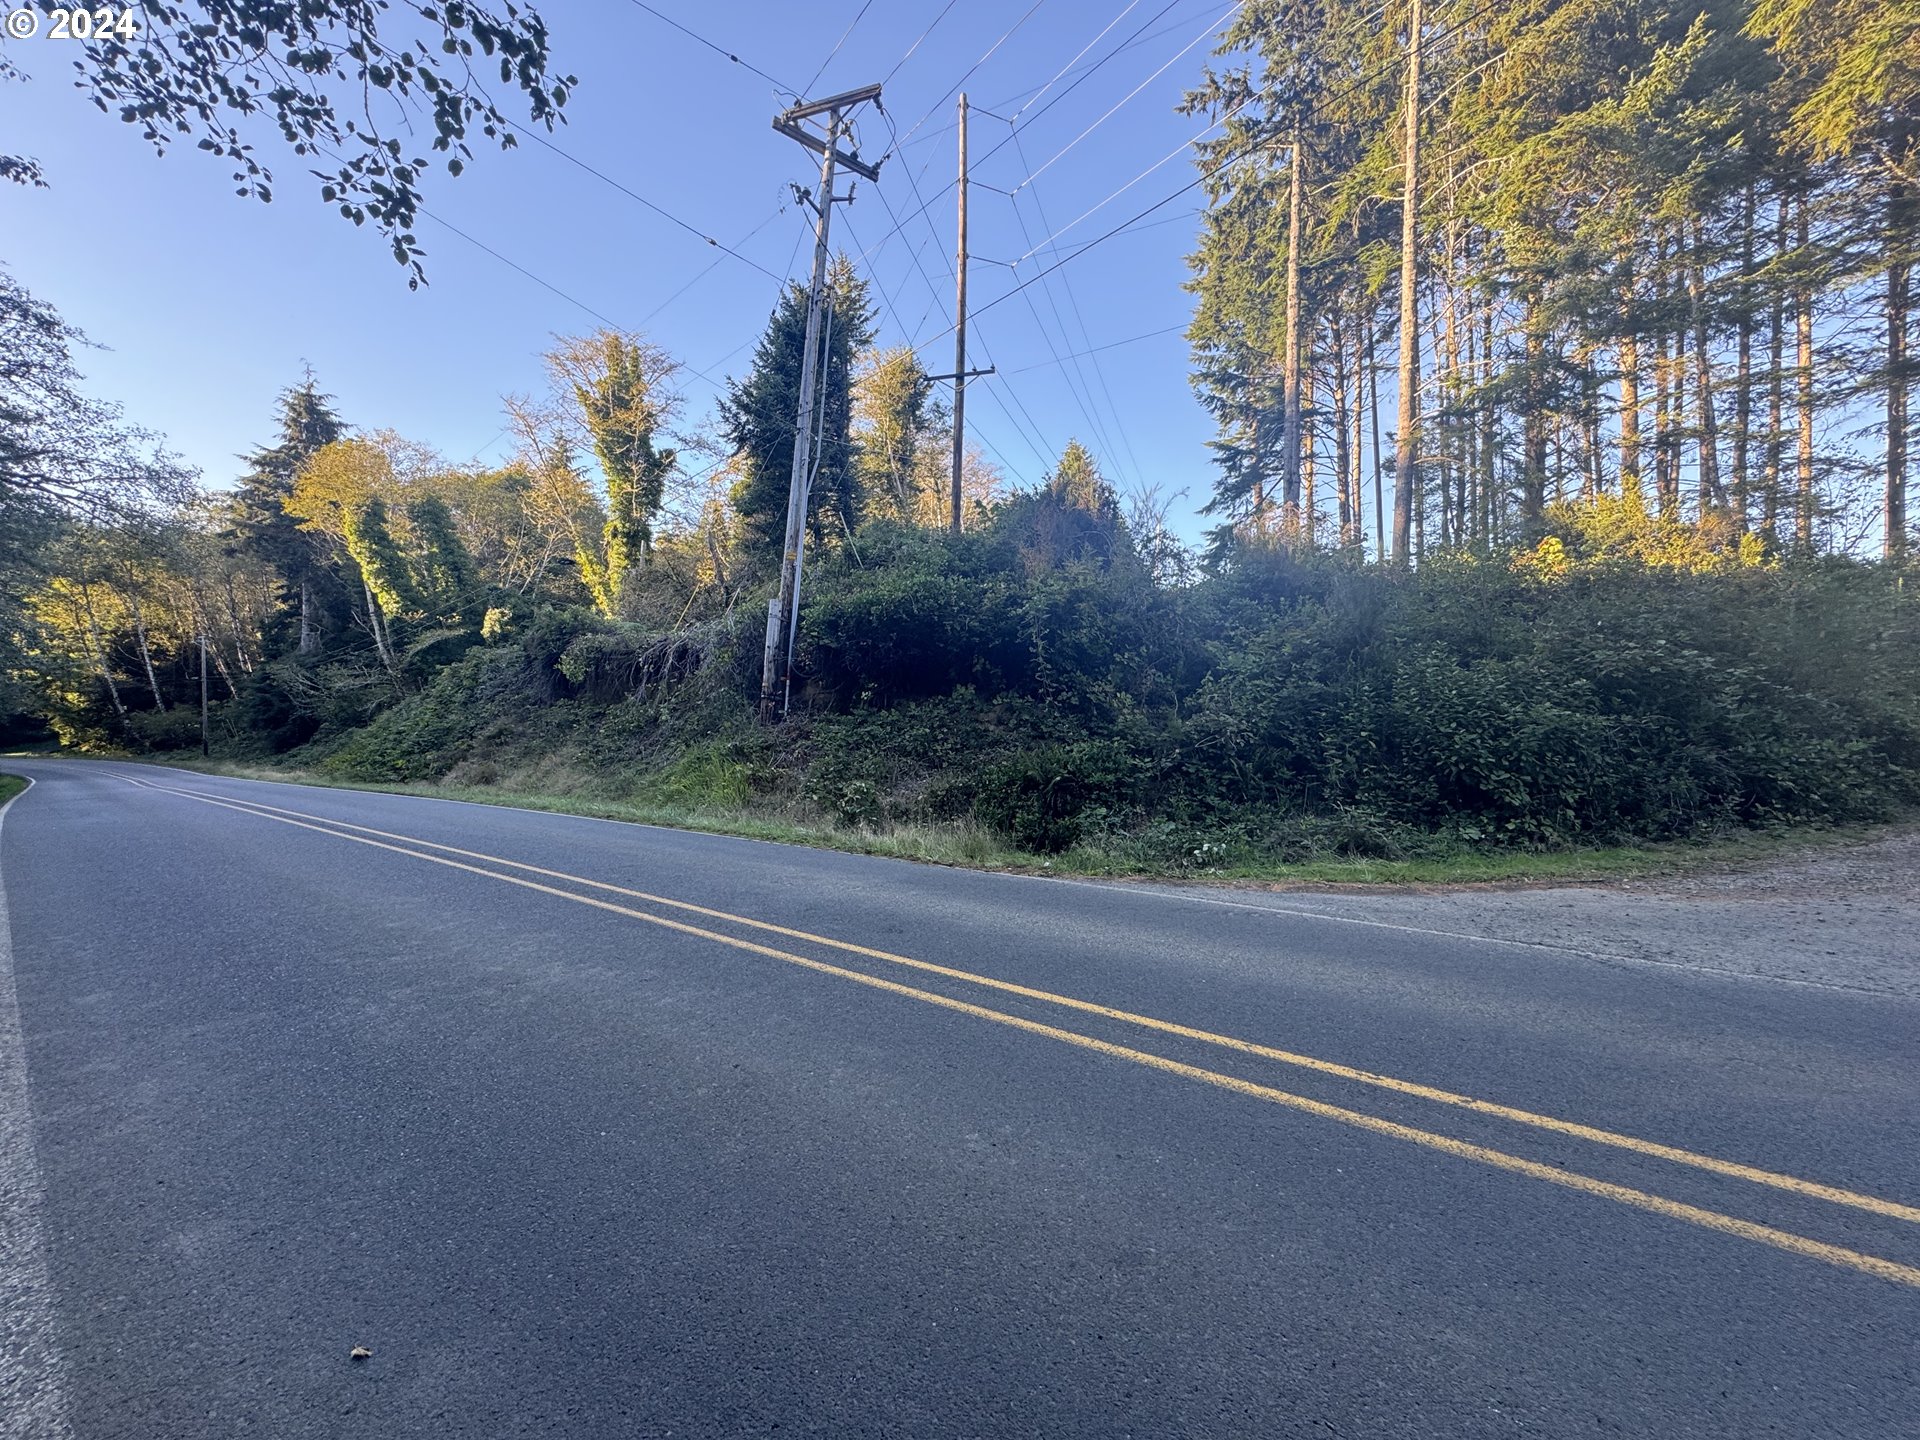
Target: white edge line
(35, 1369)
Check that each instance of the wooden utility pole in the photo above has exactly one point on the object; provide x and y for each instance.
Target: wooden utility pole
(960, 328)
(1405, 466)
(960, 374)
(784, 608)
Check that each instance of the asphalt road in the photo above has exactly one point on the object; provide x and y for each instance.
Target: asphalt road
(574, 1160)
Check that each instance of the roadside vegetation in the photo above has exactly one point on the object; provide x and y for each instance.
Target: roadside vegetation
(1613, 555)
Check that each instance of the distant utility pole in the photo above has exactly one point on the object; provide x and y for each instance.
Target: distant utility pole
(783, 611)
(960, 372)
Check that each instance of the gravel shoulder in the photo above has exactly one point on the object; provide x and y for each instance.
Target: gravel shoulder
(1836, 915)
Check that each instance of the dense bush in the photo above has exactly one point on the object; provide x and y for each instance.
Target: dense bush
(1032, 676)
(1488, 700)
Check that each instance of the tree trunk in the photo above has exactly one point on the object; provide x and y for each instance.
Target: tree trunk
(1290, 376)
(1776, 392)
(1666, 478)
(1307, 525)
(1405, 467)
(1379, 455)
(1342, 456)
(100, 652)
(1533, 478)
(1629, 410)
(140, 638)
(1900, 233)
(1713, 495)
(240, 655)
(381, 643)
(1803, 392)
(1489, 430)
(1743, 373)
(306, 615)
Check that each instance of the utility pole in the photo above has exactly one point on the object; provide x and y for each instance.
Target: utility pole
(960, 374)
(960, 328)
(206, 744)
(784, 609)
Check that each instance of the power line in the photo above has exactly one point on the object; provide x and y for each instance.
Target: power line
(632, 194)
(918, 43)
(1086, 336)
(544, 283)
(717, 49)
(1037, 446)
(1015, 124)
(954, 89)
(851, 25)
(1110, 345)
(1209, 173)
(654, 313)
(1212, 26)
(1033, 92)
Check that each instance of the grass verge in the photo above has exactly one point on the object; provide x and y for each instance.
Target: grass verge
(971, 845)
(10, 786)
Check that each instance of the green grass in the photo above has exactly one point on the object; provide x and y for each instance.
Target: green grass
(10, 786)
(968, 844)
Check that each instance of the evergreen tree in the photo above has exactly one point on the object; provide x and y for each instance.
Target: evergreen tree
(261, 528)
(758, 414)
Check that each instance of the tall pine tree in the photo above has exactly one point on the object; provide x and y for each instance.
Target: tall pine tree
(263, 530)
(757, 416)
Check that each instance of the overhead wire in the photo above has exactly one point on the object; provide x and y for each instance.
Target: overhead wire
(1038, 445)
(1110, 345)
(851, 25)
(1208, 174)
(888, 79)
(545, 283)
(1212, 27)
(900, 143)
(1086, 336)
(657, 209)
(954, 89)
(717, 49)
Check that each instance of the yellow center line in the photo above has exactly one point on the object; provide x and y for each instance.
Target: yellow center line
(1811, 1189)
(1783, 1240)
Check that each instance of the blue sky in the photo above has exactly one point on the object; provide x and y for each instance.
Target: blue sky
(208, 305)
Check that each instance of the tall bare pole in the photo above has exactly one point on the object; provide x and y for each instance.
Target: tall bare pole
(786, 603)
(960, 330)
(1406, 440)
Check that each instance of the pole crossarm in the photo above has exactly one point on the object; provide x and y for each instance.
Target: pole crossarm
(971, 374)
(845, 100)
(795, 130)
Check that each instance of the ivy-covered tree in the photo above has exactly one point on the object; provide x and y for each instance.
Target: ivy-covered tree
(444, 575)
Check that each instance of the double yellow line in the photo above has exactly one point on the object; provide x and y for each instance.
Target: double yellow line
(416, 848)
